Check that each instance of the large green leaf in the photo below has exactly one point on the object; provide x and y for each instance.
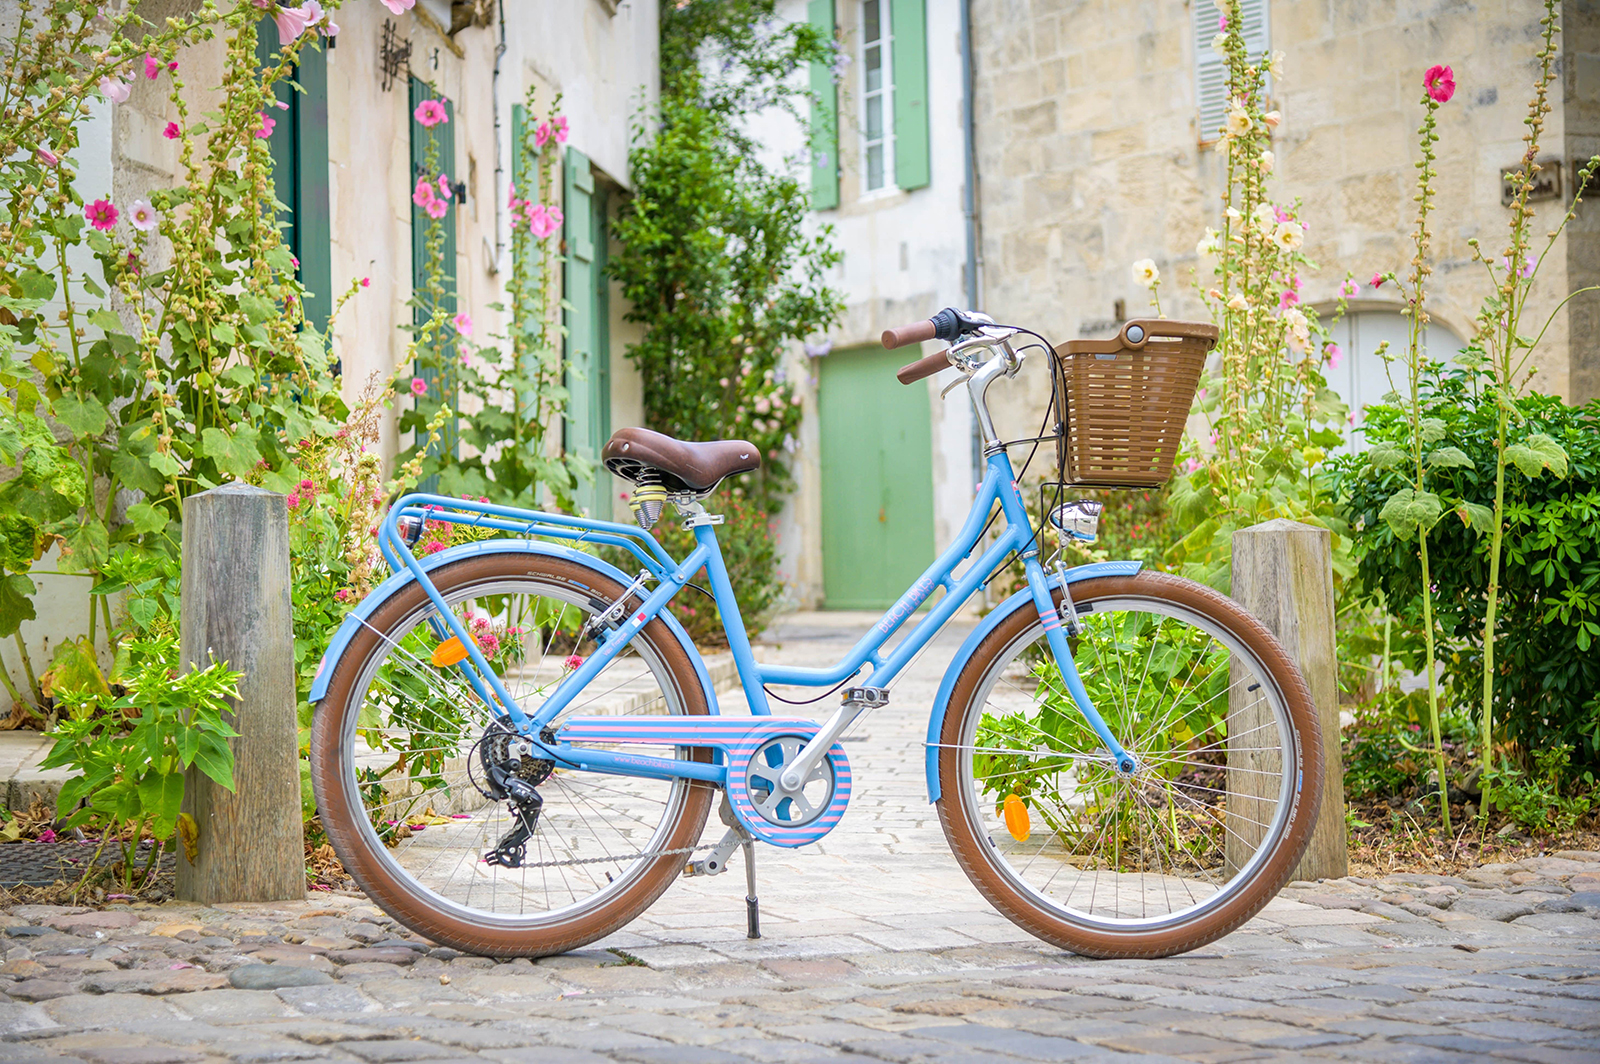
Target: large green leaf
(1448, 458)
(234, 453)
(135, 472)
(1386, 455)
(147, 518)
(215, 759)
(1408, 510)
(85, 417)
(16, 602)
(1476, 517)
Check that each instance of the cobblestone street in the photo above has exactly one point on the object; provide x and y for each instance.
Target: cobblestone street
(875, 948)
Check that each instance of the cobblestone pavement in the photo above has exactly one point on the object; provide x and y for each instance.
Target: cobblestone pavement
(875, 949)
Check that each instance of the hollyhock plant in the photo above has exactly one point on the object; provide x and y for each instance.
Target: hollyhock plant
(1440, 83)
(102, 214)
(115, 89)
(423, 194)
(291, 23)
(436, 208)
(430, 113)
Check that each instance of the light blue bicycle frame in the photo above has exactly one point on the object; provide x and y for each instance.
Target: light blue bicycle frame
(999, 485)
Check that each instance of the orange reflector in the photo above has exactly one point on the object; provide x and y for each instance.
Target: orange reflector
(1017, 818)
(451, 652)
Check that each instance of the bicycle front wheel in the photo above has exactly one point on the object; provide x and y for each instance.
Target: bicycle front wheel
(1192, 843)
(402, 746)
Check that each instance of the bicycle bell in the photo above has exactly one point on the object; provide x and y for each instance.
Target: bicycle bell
(1078, 520)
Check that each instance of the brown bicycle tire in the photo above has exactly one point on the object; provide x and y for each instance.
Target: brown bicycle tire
(967, 839)
(339, 808)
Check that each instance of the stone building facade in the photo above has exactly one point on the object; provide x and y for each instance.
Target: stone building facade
(1092, 156)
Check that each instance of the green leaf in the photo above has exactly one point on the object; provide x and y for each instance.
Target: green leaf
(215, 759)
(135, 472)
(85, 417)
(36, 284)
(1386, 456)
(235, 454)
(1448, 458)
(1433, 430)
(166, 463)
(257, 309)
(1551, 453)
(74, 670)
(1408, 510)
(223, 334)
(147, 519)
(86, 547)
(1476, 517)
(16, 602)
(105, 320)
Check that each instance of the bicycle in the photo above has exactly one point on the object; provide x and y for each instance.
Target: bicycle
(516, 746)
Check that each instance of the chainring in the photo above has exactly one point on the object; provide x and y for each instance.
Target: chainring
(790, 809)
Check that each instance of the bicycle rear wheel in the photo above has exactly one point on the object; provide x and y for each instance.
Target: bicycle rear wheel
(1199, 837)
(400, 745)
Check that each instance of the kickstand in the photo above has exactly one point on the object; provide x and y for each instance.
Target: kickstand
(751, 902)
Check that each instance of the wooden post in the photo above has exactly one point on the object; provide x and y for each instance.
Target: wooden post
(236, 609)
(1283, 574)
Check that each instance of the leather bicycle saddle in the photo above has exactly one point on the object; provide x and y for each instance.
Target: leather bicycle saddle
(697, 467)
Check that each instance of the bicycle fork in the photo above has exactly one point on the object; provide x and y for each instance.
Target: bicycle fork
(1056, 635)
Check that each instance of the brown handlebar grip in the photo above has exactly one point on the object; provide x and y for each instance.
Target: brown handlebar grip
(923, 367)
(908, 334)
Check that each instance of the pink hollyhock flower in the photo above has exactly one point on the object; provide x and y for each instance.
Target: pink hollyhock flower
(291, 23)
(437, 209)
(542, 220)
(142, 215)
(366, 282)
(1440, 83)
(1334, 353)
(1222, 22)
(1349, 288)
(115, 89)
(1191, 465)
(430, 113)
(294, 499)
(172, 132)
(573, 662)
(48, 157)
(399, 7)
(444, 186)
(419, 386)
(102, 214)
(463, 323)
(1377, 280)
(1524, 271)
(152, 67)
(423, 194)
(541, 135)
(559, 122)
(1287, 299)
(1212, 439)
(268, 124)
(172, 67)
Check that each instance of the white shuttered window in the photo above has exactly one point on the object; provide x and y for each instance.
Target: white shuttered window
(1210, 71)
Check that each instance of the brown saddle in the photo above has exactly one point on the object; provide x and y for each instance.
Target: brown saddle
(693, 467)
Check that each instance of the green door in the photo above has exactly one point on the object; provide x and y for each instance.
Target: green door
(877, 480)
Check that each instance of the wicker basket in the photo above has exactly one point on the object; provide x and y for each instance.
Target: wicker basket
(1126, 400)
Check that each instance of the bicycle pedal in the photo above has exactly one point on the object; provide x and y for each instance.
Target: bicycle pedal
(867, 697)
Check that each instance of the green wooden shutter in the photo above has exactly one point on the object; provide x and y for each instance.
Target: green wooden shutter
(578, 232)
(824, 117)
(442, 377)
(909, 50)
(299, 146)
(600, 393)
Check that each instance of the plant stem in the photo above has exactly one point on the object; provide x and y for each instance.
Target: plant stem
(27, 668)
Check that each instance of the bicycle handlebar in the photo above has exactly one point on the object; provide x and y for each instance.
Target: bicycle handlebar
(915, 333)
(922, 367)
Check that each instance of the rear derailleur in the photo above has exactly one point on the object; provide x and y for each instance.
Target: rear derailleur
(512, 774)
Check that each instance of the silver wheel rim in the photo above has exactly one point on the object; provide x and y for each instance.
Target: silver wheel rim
(1036, 878)
(556, 862)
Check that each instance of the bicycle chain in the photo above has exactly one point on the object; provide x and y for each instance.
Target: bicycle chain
(609, 860)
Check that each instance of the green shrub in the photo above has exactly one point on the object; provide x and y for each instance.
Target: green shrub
(1548, 654)
(1538, 801)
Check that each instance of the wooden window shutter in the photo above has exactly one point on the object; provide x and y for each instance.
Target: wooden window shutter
(299, 147)
(441, 381)
(824, 117)
(908, 23)
(1210, 70)
(577, 231)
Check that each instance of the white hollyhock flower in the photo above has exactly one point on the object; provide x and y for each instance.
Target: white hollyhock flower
(143, 216)
(1288, 236)
(1209, 244)
(1145, 273)
(1238, 123)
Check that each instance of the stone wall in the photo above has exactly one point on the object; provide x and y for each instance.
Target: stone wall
(1091, 159)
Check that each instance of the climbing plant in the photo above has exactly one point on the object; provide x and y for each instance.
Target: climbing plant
(718, 260)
